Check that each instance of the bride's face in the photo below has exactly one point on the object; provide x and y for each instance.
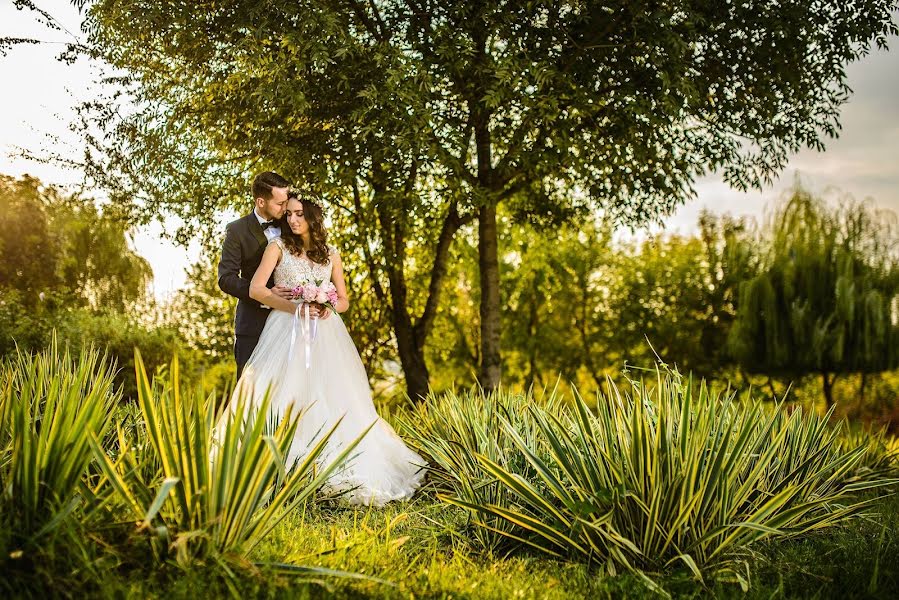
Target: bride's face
(295, 218)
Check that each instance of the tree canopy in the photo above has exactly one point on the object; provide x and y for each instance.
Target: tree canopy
(60, 248)
(446, 109)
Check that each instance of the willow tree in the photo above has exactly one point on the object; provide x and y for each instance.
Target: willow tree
(825, 299)
(59, 248)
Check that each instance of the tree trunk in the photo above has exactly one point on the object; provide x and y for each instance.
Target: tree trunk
(412, 358)
(411, 354)
(827, 386)
(411, 336)
(488, 236)
(488, 261)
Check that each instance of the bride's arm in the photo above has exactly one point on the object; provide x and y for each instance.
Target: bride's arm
(258, 289)
(343, 301)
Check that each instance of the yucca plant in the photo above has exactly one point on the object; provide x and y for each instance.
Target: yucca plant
(672, 474)
(219, 492)
(452, 430)
(881, 456)
(51, 404)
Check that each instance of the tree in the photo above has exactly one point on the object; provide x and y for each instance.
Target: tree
(674, 296)
(202, 314)
(59, 248)
(824, 300)
(29, 255)
(550, 107)
(287, 88)
(65, 265)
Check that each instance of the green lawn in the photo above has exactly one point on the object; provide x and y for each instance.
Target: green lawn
(418, 549)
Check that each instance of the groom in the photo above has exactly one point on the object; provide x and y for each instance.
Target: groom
(245, 242)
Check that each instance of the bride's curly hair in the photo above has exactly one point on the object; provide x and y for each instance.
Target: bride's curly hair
(312, 212)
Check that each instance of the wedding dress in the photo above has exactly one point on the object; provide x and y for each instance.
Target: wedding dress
(333, 384)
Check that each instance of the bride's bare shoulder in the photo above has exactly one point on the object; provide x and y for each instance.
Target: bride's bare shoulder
(276, 247)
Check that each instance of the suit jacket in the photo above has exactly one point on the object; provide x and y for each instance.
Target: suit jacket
(241, 254)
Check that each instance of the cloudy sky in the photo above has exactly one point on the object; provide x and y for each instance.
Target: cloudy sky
(40, 92)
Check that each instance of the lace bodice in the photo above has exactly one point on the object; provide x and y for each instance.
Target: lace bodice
(296, 270)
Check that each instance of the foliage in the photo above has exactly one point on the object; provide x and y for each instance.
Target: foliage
(61, 249)
(667, 474)
(452, 430)
(202, 313)
(50, 404)
(579, 305)
(67, 266)
(417, 118)
(823, 300)
(21, 325)
(673, 297)
(418, 548)
(218, 491)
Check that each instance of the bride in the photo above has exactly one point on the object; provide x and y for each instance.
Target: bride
(333, 382)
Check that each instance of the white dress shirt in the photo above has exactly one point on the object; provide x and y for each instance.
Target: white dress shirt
(270, 232)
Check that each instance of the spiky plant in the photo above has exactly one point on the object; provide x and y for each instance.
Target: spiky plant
(51, 404)
(218, 492)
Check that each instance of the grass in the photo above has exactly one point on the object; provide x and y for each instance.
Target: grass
(418, 551)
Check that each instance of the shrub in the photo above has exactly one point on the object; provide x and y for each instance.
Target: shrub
(661, 475)
(51, 403)
(217, 493)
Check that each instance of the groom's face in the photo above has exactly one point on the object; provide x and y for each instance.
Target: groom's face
(274, 207)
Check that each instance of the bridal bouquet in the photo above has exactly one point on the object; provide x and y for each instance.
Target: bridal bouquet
(323, 294)
(318, 293)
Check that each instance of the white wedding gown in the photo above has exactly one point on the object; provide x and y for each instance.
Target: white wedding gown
(382, 468)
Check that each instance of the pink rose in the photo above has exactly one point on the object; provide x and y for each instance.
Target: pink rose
(309, 293)
(321, 297)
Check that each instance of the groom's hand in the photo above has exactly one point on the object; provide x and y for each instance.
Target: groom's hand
(283, 291)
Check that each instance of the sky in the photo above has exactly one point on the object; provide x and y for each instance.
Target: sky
(40, 93)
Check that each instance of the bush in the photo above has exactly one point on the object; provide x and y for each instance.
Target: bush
(454, 430)
(78, 469)
(50, 405)
(217, 492)
(662, 475)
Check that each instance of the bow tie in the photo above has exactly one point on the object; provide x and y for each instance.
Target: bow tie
(268, 224)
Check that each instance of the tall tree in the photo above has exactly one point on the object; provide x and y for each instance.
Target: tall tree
(824, 300)
(227, 89)
(620, 105)
(61, 249)
(546, 106)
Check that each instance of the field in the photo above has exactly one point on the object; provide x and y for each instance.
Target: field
(665, 489)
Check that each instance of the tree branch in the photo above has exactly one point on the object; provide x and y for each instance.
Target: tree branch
(451, 224)
(366, 251)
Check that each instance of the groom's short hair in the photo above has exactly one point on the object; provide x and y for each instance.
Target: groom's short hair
(264, 182)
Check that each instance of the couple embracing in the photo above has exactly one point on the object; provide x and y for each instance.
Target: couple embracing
(277, 262)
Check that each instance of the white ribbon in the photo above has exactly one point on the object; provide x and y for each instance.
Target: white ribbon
(309, 328)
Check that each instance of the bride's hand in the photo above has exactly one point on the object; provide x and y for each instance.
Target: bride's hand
(324, 312)
(314, 309)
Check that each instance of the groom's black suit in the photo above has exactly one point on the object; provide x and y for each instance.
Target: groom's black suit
(241, 253)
